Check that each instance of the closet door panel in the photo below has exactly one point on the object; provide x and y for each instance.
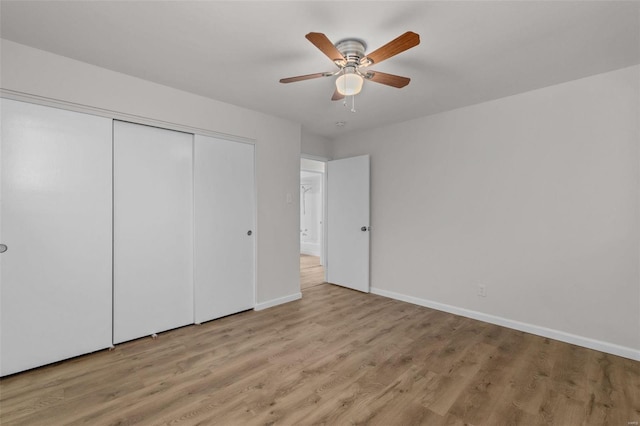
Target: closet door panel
(153, 230)
(224, 227)
(55, 218)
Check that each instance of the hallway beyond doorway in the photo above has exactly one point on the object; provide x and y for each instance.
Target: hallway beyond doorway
(311, 272)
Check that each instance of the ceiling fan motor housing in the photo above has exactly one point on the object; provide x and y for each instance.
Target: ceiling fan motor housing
(353, 51)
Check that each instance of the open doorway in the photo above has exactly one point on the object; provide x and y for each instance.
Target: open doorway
(312, 230)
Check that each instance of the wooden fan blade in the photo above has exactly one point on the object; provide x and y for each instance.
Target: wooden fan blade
(388, 79)
(337, 96)
(321, 41)
(302, 77)
(398, 45)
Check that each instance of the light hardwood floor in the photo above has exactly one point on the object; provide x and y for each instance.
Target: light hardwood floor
(335, 357)
(311, 272)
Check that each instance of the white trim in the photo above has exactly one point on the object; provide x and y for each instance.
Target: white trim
(306, 247)
(325, 212)
(193, 223)
(325, 226)
(131, 118)
(574, 339)
(256, 234)
(314, 157)
(279, 301)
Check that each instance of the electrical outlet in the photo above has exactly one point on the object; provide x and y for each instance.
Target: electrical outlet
(482, 290)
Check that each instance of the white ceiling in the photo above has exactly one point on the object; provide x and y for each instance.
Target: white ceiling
(236, 51)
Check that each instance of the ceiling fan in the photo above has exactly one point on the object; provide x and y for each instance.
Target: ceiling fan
(352, 63)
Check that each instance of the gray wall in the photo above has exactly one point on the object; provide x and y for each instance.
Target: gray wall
(534, 196)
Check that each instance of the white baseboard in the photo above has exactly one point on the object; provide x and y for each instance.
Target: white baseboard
(279, 301)
(310, 252)
(586, 342)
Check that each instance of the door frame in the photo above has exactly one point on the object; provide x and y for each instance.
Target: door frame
(323, 249)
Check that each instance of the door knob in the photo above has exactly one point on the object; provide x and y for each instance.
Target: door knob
(364, 229)
(249, 232)
(3, 248)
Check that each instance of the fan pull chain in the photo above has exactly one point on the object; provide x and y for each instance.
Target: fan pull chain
(353, 102)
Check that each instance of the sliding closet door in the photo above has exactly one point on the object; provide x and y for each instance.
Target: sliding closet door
(153, 232)
(224, 227)
(55, 220)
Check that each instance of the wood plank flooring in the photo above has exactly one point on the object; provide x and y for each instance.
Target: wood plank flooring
(311, 272)
(335, 357)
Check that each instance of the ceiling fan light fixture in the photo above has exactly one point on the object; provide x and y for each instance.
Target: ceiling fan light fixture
(350, 58)
(349, 83)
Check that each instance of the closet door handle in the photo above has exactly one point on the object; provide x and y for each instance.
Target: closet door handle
(249, 232)
(3, 248)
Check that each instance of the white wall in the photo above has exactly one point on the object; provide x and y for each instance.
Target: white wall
(28, 71)
(535, 196)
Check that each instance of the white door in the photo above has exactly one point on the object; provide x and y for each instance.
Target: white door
(55, 219)
(153, 230)
(224, 227)
(348, 222)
